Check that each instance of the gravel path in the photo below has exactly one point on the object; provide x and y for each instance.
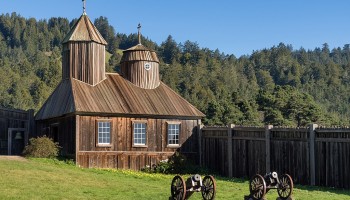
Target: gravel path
(19, 158)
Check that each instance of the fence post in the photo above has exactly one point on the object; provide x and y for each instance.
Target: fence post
(312, 152)
(229, 149)
(30, 127)
(200, 127)
(267, 147)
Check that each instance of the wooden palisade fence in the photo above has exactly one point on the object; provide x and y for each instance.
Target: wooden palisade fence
(312, 156)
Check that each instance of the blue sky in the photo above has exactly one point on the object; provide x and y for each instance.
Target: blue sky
(233, 27)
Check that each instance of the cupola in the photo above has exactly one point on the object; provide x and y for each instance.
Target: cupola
(140, 65)
(83, 56)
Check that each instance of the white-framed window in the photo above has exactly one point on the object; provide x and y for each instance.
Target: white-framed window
(103, 132)
(139, 133)
(173, 133)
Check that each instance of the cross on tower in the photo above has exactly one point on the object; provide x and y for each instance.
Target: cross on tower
(139, 29)
(84, 6)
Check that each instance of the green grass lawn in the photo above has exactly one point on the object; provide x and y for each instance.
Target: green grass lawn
(49, 179)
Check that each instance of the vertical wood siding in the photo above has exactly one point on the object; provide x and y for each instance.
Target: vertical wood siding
(214, 150)
(132, 67)
(13, 119)
(122, 153)
(248, 146)
(84, 61)
(135, 72)
(66, 133)
(332, 151)
(289, 153)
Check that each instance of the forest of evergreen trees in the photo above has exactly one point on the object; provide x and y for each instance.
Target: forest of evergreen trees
(278, 85)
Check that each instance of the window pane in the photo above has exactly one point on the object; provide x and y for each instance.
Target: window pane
(139, 133)
(173, 133)
(104, 132)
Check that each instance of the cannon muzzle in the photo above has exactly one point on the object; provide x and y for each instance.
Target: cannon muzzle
(196, 178)
(274, 175)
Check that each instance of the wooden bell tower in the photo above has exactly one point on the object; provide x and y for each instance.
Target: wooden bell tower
(140, 65)
(83, 56)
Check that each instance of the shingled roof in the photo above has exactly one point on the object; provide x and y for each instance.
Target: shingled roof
(84, 30)
(115, 96)
(139, 53)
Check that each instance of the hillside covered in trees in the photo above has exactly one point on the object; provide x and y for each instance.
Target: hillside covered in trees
(278, 85)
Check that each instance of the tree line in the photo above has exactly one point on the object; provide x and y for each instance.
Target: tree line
(279, 85)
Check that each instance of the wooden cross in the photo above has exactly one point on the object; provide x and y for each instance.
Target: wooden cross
(84, 6)
(139, 30)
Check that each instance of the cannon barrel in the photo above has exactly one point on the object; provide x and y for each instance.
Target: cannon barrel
(274, 175)
(196, 177)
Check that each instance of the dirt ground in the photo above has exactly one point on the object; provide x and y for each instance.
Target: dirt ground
(19, 158)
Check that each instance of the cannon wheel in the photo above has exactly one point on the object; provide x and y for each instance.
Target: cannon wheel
(257, 187)
(178, 188)
(209, 188)
(285, 187)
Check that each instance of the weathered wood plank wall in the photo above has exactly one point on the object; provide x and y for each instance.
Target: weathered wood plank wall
(332, 157)
(245, 144)
(84, 61)
(214, 149)
(285, 150)
(122, 150)
(133, 67)
(12, 118)
(119, 159)
(290, 153)
(61, 130)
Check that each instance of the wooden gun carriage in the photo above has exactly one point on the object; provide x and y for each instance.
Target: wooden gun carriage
(181, 189)
(259, 185)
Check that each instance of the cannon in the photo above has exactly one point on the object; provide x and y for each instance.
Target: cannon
(181, 189)
(259, 185)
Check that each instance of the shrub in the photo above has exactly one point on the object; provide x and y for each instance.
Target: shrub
(176, 164)
(41, 147)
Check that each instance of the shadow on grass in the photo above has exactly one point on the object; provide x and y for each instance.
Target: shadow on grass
(323, 189)
(57, 161)
(66, 159)
(236, 180)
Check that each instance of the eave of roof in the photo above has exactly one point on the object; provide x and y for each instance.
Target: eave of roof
(116, 96)
(59, 103)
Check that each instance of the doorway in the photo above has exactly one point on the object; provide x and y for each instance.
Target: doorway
(54, 133)
(17, 138)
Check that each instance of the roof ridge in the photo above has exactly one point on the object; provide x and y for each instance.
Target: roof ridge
(86, 24)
